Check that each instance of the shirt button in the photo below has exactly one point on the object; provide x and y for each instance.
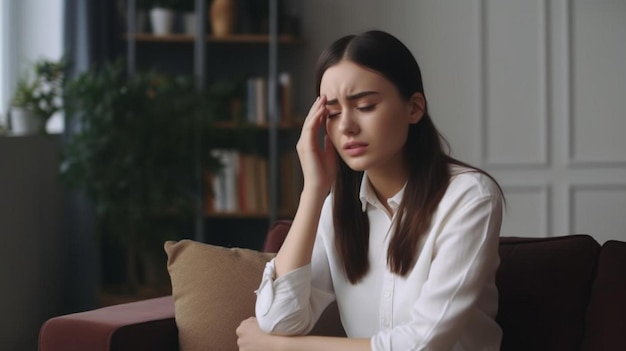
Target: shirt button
(387, 294)
(387, 324)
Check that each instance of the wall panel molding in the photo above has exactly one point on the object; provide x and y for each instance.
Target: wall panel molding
(576, 190)
(611, 154)
(541, 157)
(543, 201)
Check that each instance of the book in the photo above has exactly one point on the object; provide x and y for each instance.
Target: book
(285, 97)
(260, 95)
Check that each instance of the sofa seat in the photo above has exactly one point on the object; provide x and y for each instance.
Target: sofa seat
(561, 293)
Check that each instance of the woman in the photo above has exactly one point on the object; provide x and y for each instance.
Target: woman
(407, 239)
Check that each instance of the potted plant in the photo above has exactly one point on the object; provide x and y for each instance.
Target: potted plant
(3, 129)
(37, 97)
(134, 155)
(162, 16)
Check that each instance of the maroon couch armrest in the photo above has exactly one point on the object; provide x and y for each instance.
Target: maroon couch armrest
(144, 325)
(276, 235)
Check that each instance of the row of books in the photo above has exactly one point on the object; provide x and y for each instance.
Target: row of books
(257, 98)
(242, 184)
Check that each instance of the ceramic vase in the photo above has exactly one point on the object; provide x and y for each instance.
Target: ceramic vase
(189, 23)
(162, 21)
(223, 16)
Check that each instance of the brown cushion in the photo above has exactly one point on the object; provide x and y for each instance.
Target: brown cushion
(544, 286)
(606, 321)
(213, 289)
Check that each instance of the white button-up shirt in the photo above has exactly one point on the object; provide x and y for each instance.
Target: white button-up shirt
(448, 301)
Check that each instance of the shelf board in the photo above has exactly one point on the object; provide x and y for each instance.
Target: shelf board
(245, 215)
(234, 38)
(235, 125)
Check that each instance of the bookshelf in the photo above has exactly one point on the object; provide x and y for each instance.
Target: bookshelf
(234, 38)
(292, 126)
(212, 54)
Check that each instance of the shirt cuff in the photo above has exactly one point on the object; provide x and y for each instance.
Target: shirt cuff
(380, 343)
(293, 286)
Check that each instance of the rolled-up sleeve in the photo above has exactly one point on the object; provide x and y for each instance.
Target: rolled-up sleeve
(292, 303)
(465, 258)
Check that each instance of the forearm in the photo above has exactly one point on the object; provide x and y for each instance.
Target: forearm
(316, 343)
(298, 246)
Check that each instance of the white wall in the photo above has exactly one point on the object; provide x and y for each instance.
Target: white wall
(39, 30)
(31, 29)
(6, 79)
(531, 90)
(323, 21)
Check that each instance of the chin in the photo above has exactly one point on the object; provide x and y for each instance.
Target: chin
(356, 165)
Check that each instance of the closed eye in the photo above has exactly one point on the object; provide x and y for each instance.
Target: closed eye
(331, 115)
(366, 108)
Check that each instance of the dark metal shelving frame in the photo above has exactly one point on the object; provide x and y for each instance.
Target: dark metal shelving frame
(200, 49)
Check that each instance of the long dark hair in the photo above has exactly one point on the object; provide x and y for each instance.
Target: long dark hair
(426, 153)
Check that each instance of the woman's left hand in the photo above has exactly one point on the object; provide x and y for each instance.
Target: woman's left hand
(251, 338)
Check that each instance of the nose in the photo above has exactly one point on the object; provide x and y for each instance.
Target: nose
(347, 123)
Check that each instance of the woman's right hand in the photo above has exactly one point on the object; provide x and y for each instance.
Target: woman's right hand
(318, 163)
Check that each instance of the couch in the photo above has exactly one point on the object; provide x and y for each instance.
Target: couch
(557, 293)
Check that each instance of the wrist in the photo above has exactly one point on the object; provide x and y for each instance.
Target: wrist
(315, 190)
(280, 343)
(312, 197)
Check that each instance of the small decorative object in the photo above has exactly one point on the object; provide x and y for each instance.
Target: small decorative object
(142, 16)
(36, 99)
(189, 23)
(187, 11)
(223, 15)
(162, 17)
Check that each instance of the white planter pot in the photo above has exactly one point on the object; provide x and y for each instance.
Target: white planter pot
(24, 122)
(189, 23)
(162, 21)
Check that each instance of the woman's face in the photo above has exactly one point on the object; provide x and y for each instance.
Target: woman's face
(368, 121)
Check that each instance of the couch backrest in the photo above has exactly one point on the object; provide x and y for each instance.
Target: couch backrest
(276, 235)
(606, 315)
(544, 286)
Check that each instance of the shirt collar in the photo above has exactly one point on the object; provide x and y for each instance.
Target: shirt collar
(367, 195)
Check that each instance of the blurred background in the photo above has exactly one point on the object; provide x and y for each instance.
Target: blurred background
(139, 133)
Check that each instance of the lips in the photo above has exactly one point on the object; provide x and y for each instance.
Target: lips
(354, 148)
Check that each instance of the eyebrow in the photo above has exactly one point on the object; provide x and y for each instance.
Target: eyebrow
(353, 97)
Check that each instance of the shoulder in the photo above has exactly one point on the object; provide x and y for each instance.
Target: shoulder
(469, 185)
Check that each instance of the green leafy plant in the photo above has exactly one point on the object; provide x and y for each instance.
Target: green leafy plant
(134, 154)
(40, 91)
(24, 95)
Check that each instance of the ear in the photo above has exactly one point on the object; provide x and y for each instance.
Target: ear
(417, 107)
